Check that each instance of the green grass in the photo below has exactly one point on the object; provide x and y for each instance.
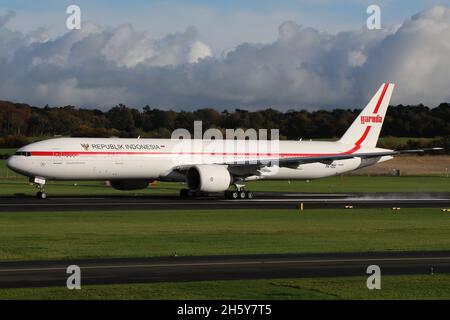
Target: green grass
(65, 235)
(5, 172)
(328, 185)
(392, 287)
(7, 151)
(11, 187)
(358, 184)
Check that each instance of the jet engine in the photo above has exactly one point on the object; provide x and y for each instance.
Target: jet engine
(132, 184)
(208, 178)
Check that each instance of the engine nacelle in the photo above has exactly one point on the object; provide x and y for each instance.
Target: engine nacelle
(208, 178)
(132, 184)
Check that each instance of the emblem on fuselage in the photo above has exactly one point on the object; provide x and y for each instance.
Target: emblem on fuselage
(85, 146)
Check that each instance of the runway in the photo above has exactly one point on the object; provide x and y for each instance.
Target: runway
(176, 269)
(264, 200)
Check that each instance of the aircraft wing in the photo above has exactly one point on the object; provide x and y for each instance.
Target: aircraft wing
(295, 161)
(328, 159)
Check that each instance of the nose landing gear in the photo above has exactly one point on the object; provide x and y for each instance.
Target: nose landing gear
(39, 183)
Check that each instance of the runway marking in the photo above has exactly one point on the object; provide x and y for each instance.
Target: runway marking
(205, 264)
(237, 202)
(101, 203)
(80, 198)
(356, 200)
(315, 195)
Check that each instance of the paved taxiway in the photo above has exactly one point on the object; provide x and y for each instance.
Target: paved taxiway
(142, 270)
(262, 200)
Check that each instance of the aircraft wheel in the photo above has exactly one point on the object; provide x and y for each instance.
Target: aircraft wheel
(41, 195)
(235, 195)
(250, 195)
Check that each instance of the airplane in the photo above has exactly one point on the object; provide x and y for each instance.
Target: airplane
(207, 165)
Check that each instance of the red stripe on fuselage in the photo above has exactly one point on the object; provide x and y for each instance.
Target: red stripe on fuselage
(76, 153)
(380, 99)
(111, 153)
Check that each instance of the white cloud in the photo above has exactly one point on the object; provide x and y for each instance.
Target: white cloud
(126, 47)
(356, 58)
(302, 68)
(198, 51)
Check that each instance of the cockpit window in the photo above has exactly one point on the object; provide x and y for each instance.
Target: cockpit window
(23, 153)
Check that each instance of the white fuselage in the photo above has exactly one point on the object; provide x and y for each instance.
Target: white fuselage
(158, 159)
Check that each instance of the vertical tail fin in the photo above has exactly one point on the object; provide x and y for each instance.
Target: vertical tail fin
(366, 128)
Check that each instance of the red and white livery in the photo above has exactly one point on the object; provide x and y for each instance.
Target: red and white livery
(206, 165)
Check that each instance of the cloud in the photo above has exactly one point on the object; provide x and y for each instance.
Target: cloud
(7, 17)
(303, 68)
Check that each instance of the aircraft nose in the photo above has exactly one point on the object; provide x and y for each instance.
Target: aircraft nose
(14, 164)
(11, 162)
(19, 164)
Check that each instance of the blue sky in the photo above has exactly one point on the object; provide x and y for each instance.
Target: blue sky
(223, 54)
(223, 24)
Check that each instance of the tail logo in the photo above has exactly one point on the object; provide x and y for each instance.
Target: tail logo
(371, 119)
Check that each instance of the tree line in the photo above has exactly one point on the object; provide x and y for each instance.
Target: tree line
(22, 123)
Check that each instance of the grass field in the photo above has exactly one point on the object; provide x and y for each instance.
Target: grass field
(392, 287)
(64, 235)
(7, 151)
(10, 187)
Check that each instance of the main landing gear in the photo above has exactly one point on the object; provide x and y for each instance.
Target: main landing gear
(39, 183)
(238, 194)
